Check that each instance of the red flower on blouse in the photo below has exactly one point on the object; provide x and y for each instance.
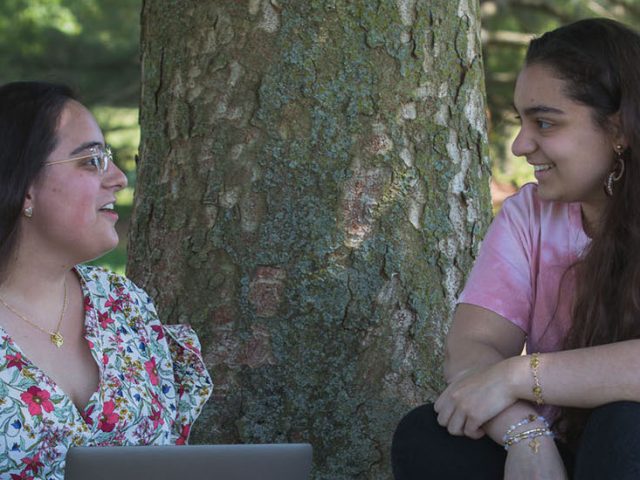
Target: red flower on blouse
(86, 415)
(108, 419)
(104, 319)
(114, 303)
(122, 294)
(155, 401)
(15, 361)
(159, 331)
(184, 434)
(87, 303)
(152, 369)
(37, 399)
(32, 463)
(156, 418)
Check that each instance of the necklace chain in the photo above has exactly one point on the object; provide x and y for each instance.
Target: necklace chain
(56, 338)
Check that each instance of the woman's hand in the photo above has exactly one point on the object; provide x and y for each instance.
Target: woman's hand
(477, 397)
(524, 463)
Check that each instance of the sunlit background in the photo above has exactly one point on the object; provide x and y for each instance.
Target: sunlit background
(92, 45)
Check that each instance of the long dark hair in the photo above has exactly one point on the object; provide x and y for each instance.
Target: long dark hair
(599, 61)
(29, 114)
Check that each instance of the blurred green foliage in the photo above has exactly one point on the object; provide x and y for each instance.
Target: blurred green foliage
(91, 45)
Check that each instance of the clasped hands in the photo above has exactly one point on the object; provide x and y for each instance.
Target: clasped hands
(478, 395)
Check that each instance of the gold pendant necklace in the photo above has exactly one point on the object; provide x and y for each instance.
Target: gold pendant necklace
(56, 337)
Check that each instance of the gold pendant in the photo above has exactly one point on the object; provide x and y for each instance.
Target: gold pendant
(57, 339)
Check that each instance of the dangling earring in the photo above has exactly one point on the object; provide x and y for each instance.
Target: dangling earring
(616, 174)
(28, 212)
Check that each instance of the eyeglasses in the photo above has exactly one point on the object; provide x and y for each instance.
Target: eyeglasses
(99, 159)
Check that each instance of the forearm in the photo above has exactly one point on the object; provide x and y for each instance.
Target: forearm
(585, 378)
(467, 356)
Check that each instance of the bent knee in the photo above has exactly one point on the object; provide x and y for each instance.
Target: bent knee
(417, 422)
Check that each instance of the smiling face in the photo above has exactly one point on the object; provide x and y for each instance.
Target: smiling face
(572, 155)
(72, 203)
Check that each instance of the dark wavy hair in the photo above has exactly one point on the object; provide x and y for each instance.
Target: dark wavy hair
(599, 62)
(29, 114)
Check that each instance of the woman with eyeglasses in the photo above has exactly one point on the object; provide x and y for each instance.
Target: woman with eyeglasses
(559, 270)
(84, 359)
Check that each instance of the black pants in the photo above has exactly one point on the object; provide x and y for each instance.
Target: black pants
(423, 450)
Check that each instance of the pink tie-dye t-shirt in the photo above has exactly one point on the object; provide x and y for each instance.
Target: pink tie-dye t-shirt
(520, 268)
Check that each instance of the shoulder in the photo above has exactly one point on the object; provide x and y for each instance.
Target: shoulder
(101, 282)
(525, 199)
(519, 214)
(526, 206)
(527, 221)
(94, 273)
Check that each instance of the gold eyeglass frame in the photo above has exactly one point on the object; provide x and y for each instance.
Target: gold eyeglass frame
(102, 152)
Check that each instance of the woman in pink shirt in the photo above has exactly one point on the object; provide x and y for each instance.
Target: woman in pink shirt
(559, 271)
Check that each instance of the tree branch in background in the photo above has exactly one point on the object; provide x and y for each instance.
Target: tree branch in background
(504, 37)
(540, 5)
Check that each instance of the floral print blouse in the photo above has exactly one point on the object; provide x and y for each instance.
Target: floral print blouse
(153, 385)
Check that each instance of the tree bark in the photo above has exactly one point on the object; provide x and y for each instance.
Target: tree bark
(312, 189)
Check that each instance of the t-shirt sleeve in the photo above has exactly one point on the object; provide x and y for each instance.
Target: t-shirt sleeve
(501, 278)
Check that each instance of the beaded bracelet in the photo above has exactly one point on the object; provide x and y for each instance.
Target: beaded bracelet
(525, 421)
(532, 435)
(534, 363)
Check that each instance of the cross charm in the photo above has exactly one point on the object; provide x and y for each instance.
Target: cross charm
(534, 445)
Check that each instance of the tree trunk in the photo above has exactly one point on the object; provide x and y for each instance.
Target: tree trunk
(312, 188)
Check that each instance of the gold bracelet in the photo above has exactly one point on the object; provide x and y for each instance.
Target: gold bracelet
(534, 363)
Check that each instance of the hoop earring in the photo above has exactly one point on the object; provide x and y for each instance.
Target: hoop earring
(28, 212)
(616, 174)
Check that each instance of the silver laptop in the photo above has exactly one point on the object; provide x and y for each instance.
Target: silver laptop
(290, 461)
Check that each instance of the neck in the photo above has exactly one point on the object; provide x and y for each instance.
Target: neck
(32, 279)
(591, 219)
